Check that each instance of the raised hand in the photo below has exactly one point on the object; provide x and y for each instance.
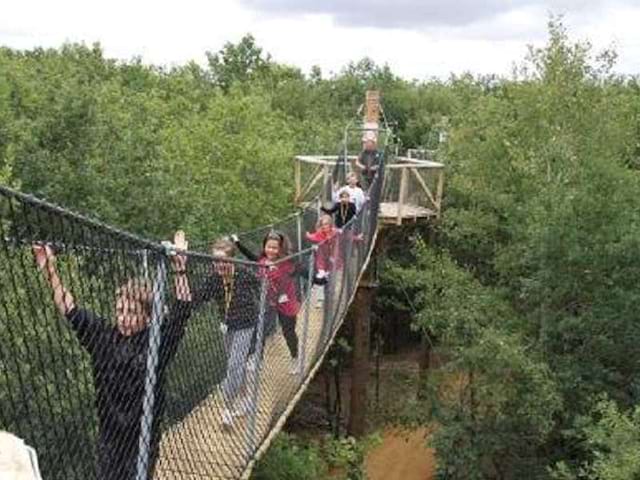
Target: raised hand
(180, 240)
(43, 255)
(181, 245)
(45, 260)
(179, 261)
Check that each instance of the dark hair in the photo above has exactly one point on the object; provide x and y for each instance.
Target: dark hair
(281, 238)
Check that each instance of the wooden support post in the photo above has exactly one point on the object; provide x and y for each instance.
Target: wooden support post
(360, 360)
(439, 190)
(327, 187)
(402, 197)
(361, 321)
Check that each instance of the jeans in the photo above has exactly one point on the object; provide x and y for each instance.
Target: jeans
(237, 344)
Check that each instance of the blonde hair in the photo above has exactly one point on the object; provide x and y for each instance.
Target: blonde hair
(324, 217)
(225, 245)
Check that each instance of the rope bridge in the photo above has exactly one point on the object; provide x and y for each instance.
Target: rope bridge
(123, 358)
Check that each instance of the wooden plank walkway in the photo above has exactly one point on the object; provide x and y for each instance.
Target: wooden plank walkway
(389, 212)
(200, 447)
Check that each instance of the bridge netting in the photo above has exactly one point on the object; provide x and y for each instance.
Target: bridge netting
(123, 358)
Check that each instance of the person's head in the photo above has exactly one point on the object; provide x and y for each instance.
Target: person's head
(325, 223)
(222, 250)
(352, 179)
(134, 303)
(344, 197)
(275, 245)
(369, 144)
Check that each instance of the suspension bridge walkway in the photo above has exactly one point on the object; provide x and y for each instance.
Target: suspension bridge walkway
(82, 392)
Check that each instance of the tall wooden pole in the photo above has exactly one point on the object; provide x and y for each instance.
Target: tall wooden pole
(361, 321)
(361, 307)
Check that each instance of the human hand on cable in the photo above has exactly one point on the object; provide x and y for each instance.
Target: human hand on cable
(180, 244)
(43, 255)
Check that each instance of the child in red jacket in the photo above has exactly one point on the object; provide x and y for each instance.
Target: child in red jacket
(327, 257)
(282, 296)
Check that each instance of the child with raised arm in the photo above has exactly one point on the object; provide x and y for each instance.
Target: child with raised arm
(119, 360)
(236, 291)
(282, 296)
(327, 257)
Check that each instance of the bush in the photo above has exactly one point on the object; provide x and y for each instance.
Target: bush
(348, 454)
(290, 459)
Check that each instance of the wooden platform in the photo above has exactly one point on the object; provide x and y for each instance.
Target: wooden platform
(410, 213)
(200, 447)
(388, 213)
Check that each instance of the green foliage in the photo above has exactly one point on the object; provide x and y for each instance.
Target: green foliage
(289, 459)
(493, 401)
(613, 439)
(348, 454)
(495, 408)
(534, 274)
(93, 133)
(237, 63)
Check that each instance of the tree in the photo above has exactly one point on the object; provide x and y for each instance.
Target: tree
(493, 402)
(239, 62)
(613, 439)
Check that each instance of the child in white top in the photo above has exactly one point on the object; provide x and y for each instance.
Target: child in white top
(355, 192)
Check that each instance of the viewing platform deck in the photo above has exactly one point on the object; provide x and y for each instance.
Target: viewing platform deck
(412, 191)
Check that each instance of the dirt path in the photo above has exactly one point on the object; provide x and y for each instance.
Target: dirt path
(402, 456)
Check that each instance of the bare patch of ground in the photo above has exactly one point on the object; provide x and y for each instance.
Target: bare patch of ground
(401, 456)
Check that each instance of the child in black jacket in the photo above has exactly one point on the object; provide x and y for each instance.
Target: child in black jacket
(119, 362)
(343, 211)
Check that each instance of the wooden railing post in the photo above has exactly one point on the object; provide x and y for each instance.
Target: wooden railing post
(327, 187)
(402, 197)
(439, 190)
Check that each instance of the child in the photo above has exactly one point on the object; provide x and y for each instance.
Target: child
(282, 296)
(119, 360)
(344, 210)
(355, 192)
(236, 291)
(326, 259)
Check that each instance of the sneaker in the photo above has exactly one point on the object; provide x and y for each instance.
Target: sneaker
(294, 369)
(227, 418)
(251, 363)
(243, 407)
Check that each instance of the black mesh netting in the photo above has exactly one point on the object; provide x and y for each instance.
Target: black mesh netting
(123, 358)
